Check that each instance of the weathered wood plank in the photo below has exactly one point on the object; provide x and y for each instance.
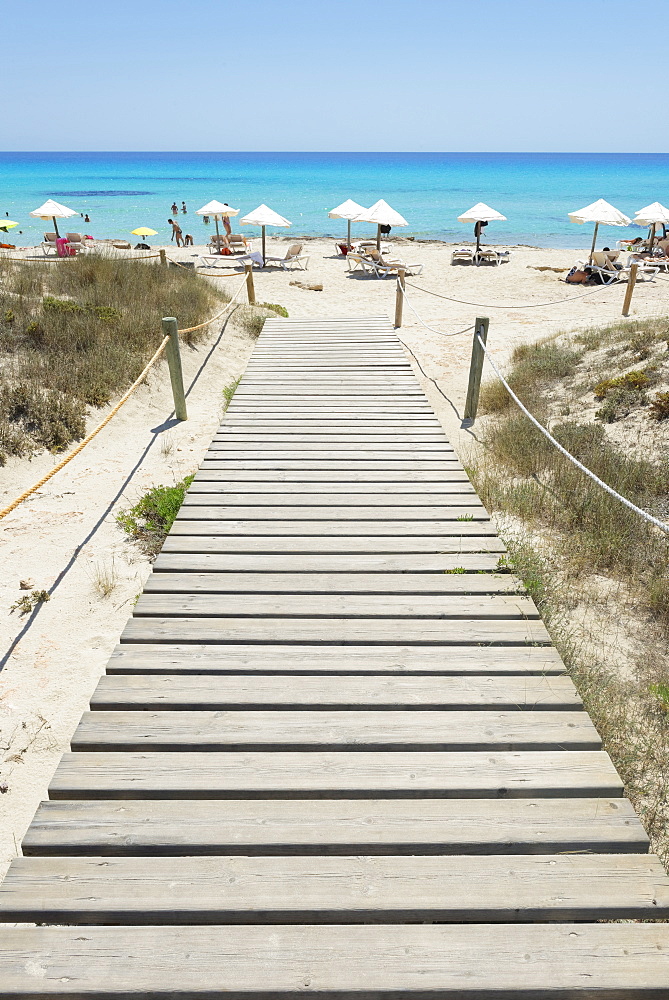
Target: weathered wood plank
(351, 660)
(196, 561)
(344, 545)
(462, 512)
(392, 468)
(454, 606)
(328, 729)
(222, 472)
(332, 583)
(347, 826)
(335, 774)
(175, 693)
(214, 521)
(336, 630)
(362, 889)
(324, 494)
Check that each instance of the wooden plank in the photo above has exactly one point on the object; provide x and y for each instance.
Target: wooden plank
(350, 660)
(350, 467)
(178, 558)
(335, 630)
(347, 826)
(317, 494)
(328, 729)
(332, 583)
(345, 545)
(191, 692)
(216, 521)
(310, 605)
(334, 774)
(295, 446)
(462, 512)
(221, 472)
(444, 962)
(288, 890)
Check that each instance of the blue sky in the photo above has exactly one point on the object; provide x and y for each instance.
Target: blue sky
(444, 75)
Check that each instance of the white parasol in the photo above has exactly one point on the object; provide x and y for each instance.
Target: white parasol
(381, 214)
(52, 210)
(219, 210)
(601, 213)
(264, 216)
(481, 213)
(347, 210)
(652, 215)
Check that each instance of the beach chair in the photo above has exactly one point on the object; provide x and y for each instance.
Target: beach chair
(463, 256)
(356, 262)
(293, 256)
(487, 255)
(237, 243)
(381, 267)
(77, 242)
(216, 243)
(49, 244)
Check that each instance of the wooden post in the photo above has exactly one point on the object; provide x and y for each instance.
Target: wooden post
(476, 368)
(631, 282)
(250, 290)
(171, 330)
(163, 257)
(399, 297)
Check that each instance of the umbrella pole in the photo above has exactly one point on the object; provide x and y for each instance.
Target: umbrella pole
(218, 235)
(651, 238)
(477, 231)
(348, 238)
(378, 237)
(55, 226)
(263, 246)
(594, 240)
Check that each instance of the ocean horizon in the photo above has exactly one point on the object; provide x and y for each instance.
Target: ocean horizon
(121, 191)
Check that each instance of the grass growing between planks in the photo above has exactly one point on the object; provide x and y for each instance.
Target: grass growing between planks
(77, 334)
(151, 518)
(598, 572)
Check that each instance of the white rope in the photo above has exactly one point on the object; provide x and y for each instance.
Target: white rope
(422, 321)
(529, 305)
(628, 503)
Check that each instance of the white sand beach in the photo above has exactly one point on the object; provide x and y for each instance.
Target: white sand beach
(66, 534)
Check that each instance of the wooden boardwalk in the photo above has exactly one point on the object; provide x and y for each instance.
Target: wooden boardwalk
(335, 753)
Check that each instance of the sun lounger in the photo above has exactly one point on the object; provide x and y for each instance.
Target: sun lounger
(489, 256)
(77, 242)
(49, 244)
(293, 256)
(216, 260)
(381, 267)
(462, 256)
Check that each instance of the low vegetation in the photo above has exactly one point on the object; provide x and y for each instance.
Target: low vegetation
(598, 571)
(150, 519)
(76, 334)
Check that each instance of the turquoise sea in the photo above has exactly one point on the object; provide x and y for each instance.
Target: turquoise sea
(121, 191)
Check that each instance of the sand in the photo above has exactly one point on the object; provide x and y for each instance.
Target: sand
(66, 536)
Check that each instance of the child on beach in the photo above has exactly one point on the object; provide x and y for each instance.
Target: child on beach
(176, 232)
(188, 240)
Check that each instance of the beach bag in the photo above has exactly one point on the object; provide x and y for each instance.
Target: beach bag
(576, 277)
(226, 251)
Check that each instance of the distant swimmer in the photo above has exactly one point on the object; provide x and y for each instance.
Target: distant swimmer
(175, 208)
(86, 219)
(183, 207)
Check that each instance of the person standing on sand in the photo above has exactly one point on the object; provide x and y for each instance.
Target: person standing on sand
(176, 232)
(175, 208)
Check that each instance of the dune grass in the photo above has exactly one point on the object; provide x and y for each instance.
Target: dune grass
(78, 333)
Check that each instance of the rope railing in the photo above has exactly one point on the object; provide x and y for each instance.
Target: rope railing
(662, 525)
(50, 259)
(103, 423)
(497, 305)
(432, 329)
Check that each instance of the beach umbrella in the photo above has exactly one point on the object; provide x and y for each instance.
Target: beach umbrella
(144, 231)
(481, 213)
(6, 225)
(347, 210)
(381, 214)
(652, 215)
(52, 210)
(264, 216)
(219, 210)
(602, 214)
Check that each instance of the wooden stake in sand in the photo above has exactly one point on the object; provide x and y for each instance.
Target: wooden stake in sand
(631, 282)
(399, 297)
(476, 368)
(171, 330)
(250, 288)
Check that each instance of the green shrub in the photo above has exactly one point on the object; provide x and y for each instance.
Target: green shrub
(659, 408)
(281, 310)
(149, 521)
(636, 381)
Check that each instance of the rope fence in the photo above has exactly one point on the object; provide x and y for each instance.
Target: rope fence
(529, 305)
(50, 259)
(662, 525)
(124, 398)
(432, 329)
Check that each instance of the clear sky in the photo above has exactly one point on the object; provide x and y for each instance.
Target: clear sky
(363, 75)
